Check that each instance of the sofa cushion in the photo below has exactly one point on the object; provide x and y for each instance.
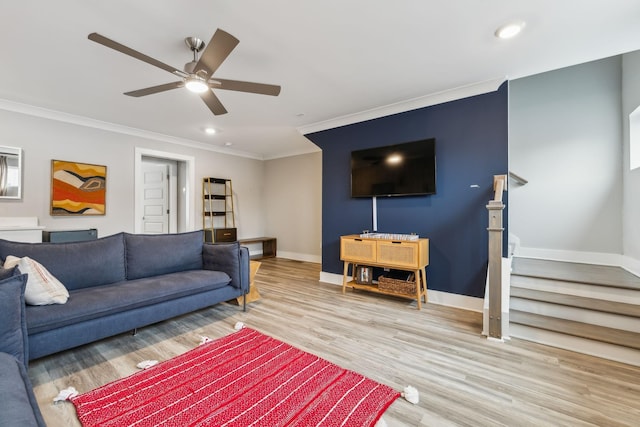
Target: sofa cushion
(18, 405)
(13, 326)
(153, 255)
(87, 304)
(76, 264)
(5, 273)
(42, 287)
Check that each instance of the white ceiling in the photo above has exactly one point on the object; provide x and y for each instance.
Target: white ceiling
(334, 59)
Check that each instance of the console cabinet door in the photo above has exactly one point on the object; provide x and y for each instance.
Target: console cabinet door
(398, 254)
(358, 250)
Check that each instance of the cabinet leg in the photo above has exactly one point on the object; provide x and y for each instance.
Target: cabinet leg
(344, 276)
(424, 284)
(418, 288)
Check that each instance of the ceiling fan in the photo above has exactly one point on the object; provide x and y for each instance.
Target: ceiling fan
(197, 74)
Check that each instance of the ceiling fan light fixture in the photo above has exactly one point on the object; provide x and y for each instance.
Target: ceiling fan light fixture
(509, 30)
(196, 84)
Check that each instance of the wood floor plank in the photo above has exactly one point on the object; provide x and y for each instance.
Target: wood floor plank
(463, 379)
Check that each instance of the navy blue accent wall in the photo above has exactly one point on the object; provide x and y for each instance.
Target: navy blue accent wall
(471, 147)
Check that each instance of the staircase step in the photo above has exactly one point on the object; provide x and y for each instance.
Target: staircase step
(602, 275)
(595, 304)
(608, 293)
(581, 345)
(578, 329)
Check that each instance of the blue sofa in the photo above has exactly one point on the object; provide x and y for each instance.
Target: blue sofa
(116, 284)
(18, 405)
(125, 281)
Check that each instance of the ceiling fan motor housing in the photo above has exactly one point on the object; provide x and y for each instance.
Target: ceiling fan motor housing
(190, 67)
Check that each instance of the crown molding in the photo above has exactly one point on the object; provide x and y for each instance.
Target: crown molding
(59, 116)
(300, 152)
(403, 106)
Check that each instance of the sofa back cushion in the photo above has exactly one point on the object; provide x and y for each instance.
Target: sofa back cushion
(13, 324)
(75, 264)
(155, 254)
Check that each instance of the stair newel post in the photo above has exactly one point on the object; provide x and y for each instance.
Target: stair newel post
(496, 229)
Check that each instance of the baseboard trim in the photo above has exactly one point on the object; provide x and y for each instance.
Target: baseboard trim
(632, 265)
(301, 257)
(331, 278)
(435, 297)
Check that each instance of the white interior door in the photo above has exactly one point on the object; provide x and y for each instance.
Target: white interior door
(181, 185)
(155, 198)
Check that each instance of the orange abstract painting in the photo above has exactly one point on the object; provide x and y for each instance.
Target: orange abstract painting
(77, 188)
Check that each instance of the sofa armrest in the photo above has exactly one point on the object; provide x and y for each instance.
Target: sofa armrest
(18, 404)
(230, 258)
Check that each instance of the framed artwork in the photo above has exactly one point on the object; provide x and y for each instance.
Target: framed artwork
(10, 172)
(78, 188)
(364, 275)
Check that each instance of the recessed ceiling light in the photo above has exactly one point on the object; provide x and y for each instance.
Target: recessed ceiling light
(228, 144)
(509, 30)
(210, 131)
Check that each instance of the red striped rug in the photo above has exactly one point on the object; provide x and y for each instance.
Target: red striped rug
(243, 379)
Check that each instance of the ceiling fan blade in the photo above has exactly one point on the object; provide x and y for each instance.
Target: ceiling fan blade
(214, 54)
(134, 53)
(213, 103)
(154, 89)
(240, 86)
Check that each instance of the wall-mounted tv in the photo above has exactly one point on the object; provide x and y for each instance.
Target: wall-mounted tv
(406, 169)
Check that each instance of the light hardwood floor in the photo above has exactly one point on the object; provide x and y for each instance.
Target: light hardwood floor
(463, 379)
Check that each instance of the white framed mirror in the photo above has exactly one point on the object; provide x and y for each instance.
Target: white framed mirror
(10, 172)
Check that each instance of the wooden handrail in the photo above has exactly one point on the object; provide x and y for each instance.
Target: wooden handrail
(517, 178)
(499, 186)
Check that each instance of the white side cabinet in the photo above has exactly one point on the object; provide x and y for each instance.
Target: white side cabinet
(21, 229)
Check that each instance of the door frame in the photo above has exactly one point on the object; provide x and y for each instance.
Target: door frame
(189, 196)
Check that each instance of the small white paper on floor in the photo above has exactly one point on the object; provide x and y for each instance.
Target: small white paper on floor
(411, 395)
(65, 394)
(145, 364)
(204, 340)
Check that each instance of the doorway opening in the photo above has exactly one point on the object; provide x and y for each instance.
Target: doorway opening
(164, 196)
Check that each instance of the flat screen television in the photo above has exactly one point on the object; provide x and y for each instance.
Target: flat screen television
(406, 169)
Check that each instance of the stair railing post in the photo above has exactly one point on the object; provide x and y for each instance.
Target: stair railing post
(496, 229)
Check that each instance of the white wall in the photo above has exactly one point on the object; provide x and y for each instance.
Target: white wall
(293, 205)
(43, 140)
(565, 137)
(631, 179)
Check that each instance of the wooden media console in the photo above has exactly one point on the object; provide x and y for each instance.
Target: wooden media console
(407, 255)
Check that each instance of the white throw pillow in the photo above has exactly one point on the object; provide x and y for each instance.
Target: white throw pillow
(42, 288)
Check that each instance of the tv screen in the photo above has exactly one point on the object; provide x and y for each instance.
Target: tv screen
(406, 169)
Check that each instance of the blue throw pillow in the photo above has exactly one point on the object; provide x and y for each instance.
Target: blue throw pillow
(13, 324)
(8, 272)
